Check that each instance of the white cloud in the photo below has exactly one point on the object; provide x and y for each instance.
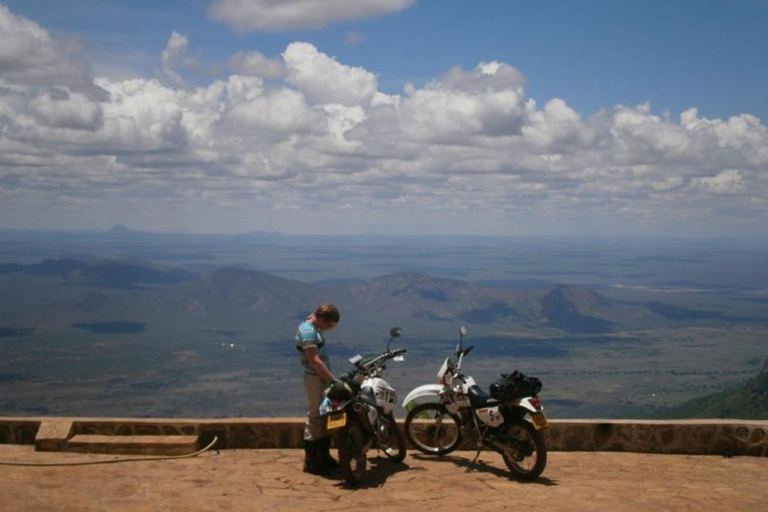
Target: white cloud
(353, 38)
(276, 15)
(275, 112)
(62, 109)
(324, 79)
(293, 140)
(30, 56)
(255, 63)
(174, 52)
(724, 183)
(143, 115)
(45, 84)
(556, 126)
(486, 101)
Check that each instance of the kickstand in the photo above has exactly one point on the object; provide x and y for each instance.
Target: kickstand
(479, 444)
(473, 464)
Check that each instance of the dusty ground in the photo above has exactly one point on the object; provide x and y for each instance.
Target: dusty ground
(239, 480)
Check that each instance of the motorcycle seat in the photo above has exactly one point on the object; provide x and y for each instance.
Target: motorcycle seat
(479, 398)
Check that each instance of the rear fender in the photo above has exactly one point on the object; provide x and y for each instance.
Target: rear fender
(524, 405)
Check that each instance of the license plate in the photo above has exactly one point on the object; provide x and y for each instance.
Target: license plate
(336, 421)
(539, 420)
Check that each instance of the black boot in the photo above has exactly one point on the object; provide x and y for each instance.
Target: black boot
(310, 457)
(324, 454)
(313, 463)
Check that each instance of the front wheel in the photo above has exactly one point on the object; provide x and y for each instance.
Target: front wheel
(392, 441)
(528, 453)
(352, 456)
(432, 429)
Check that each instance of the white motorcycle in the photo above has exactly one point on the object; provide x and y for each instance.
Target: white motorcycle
(359, 409)
(508, 421)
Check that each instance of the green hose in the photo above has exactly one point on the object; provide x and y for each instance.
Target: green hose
(111, 461)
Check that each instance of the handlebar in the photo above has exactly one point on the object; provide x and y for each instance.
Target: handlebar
(349, 376)
(465, 351)
(364, 367)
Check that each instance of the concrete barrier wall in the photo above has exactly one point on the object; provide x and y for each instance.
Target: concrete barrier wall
(695, 437)
(18, 430)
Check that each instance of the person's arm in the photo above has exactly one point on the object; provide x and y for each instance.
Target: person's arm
(313, 356)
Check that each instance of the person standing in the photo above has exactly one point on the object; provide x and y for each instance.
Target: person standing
(310, 342)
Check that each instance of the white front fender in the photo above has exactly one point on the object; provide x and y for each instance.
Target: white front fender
(422, 395)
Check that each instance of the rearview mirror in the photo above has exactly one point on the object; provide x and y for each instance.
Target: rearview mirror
(395, 332)
(463, 330)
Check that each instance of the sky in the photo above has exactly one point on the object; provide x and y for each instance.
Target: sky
(498, 117)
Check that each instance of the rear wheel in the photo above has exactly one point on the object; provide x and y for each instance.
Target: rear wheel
(352, 456)
(392, 439)
(528, 454)
(432, 429)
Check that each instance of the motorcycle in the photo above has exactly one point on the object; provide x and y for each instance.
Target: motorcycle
(509, 420)
(359, 410)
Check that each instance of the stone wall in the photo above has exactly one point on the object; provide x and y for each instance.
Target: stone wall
(18, 430)
(695, 437)
(232, 433)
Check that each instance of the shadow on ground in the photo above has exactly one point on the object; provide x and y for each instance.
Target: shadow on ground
(379, 470)
(483, 466)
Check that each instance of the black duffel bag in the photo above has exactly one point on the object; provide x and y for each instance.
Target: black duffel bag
(512, 386)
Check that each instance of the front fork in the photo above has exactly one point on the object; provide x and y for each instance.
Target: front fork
(472, 428)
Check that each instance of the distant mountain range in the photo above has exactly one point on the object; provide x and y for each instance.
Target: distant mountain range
(122, 231)
(112, 329)
(119, 229)
(749, 401)
(105, 274)
(245, 296)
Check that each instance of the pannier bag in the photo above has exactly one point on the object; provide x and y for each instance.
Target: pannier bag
(514, 385)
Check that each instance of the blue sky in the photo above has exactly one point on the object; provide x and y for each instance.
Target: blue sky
(593, 53)
(388, 103)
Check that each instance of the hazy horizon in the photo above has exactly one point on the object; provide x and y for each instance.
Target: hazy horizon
(260, 232)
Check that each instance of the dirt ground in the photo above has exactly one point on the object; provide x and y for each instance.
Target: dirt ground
(263, 480)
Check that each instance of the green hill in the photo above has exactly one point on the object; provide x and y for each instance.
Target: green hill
(749, 401)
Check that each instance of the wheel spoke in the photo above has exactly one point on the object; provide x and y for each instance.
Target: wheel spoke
(438, 429)
(433, 430)
(529, 452)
